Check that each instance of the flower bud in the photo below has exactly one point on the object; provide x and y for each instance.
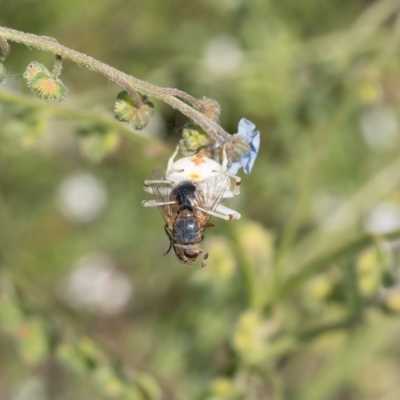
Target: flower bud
(237, 148)
(193, 139)
(2, 73)
(212, 109)
(47, 88)
(223, 388)
(110, 382)
(33, 69)
(249, 337)
(125, 110)
(391, 300)
(43, 84)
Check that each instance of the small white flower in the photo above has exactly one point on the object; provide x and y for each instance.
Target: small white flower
(81, 197)
(379, 128)
(384, 217)
(98, 285)
(31, 389)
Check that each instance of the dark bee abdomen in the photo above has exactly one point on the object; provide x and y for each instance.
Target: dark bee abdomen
(186, 231)
(185, 193)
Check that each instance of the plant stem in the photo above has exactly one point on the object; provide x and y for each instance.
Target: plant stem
(57, 67)
(317, 265)
(167, 95)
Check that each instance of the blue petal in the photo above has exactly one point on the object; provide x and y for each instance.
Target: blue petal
(246, 129)
(234, 167)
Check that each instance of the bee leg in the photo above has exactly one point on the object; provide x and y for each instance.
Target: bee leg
(172, 158)
(169, 249)
(169, 234)
(204, 262)
(153, 203)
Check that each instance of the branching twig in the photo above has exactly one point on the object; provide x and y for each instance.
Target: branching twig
(131, 84)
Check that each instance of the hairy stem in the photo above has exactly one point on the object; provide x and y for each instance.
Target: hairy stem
(57, 67)
(167, 95)
(4, 48)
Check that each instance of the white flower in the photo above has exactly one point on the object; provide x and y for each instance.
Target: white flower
(97, 285)
(81, 197)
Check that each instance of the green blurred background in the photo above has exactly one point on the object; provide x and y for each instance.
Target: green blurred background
(300, 298)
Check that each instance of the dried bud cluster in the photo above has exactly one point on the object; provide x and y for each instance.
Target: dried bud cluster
(241, 149)
(237, 148)
(43, 84)
(126, 110)
(194, 139)
(212, 109)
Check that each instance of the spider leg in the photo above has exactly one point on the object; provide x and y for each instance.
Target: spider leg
(220, 214)
(224, 158)
(147, 185)
(236, 188)
(172, 158)
(153, 203)
(227, 211)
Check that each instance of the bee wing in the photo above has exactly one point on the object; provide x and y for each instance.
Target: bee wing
(162, 193)
(210, 191)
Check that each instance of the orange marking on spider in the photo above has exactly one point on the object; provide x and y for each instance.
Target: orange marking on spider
(198, 160)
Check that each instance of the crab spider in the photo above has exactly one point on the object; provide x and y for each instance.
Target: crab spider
(196, 169)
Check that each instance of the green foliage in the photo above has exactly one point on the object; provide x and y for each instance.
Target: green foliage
(300, 298)
(96, 142)
(2, 72)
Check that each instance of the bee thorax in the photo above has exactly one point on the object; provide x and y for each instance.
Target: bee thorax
(184, 193)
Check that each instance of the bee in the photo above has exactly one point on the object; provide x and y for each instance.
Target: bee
(188, 194)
